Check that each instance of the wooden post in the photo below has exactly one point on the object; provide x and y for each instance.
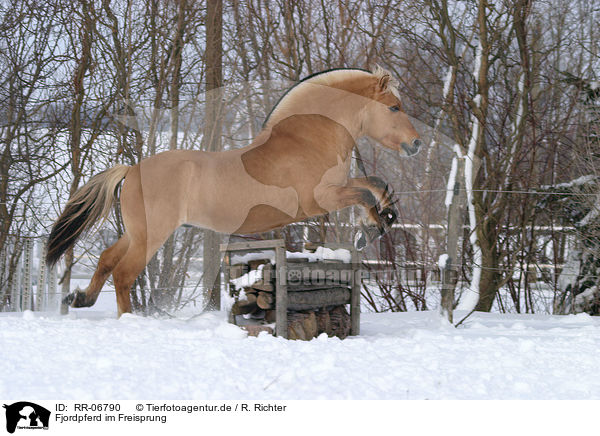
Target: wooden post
(226, 276)
(15, 294)
(27, 275)
(449, 271)
(40, 296)
(281, 300)
(4, 287)
(52, 287)
(355, 295)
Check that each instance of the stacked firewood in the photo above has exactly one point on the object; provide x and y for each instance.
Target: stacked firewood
(258, 299)
(308, 324)
(257, 303)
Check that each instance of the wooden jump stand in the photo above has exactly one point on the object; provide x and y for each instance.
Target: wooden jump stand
(311, 297)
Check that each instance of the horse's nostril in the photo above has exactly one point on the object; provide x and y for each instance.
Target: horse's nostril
(411, 149)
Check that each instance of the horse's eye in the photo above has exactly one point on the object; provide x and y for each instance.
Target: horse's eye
(394, 108)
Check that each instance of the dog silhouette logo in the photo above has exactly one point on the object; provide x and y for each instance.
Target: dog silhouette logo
(26, 415)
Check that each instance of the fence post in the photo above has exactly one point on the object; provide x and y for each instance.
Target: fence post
(355, 294)
(15, 294)
(27, 275)
(281, 297)
(449, 271)
(41, 300)
(4, 287)
(52, 287)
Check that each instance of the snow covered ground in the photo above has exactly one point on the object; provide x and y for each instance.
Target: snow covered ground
(90, 354)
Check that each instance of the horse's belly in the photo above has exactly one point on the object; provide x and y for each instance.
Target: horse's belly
(263, 218)
(225, 204)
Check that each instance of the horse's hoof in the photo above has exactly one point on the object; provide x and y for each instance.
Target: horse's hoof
(388, 215)
(368, 234)
(77, 299)
(360, 241)
(68, 299)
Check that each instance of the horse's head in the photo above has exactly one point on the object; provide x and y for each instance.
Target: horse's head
(365, 103)
(384, 120)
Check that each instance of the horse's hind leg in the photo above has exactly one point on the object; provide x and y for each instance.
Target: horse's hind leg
(108, 261)
(125, 273)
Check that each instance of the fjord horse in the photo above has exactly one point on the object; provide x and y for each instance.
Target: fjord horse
(297, 167)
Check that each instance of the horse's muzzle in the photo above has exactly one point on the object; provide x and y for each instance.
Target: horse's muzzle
(413, 149)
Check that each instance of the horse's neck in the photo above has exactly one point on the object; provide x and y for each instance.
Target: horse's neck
(331, 140)
(338, 105)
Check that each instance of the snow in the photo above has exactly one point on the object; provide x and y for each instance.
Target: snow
(320, 254)
(451, 182)
(477, 63)
(413, 355)
(584, 299)
(452, 176)
(447, 81)
(576, 183)
(522, 97)
(248, 279)
(443, 261)
(518, 121)
(582, 180)
(592, 215)
(237, 259)
(471, 297)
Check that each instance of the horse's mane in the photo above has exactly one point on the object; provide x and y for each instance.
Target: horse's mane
(330, 78)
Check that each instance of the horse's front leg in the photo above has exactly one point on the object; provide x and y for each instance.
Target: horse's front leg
(380, 217)
(360, 193)
(385, 208)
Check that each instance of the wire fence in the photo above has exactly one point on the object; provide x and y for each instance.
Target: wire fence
(44, 292)
(495, 191)
(39, 289)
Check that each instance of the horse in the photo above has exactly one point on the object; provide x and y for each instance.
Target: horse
(296, 167)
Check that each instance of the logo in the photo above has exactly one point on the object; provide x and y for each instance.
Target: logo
(26, 415)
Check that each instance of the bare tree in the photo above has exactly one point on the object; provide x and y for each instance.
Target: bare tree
(29, 131)
(212, 139)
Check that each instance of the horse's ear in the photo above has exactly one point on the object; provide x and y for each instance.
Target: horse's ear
(384, 81)
(384, 78)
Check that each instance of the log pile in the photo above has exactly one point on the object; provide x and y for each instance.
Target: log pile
(317, 295)
(309, 324)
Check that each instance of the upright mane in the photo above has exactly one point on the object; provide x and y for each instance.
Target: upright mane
(334, 78)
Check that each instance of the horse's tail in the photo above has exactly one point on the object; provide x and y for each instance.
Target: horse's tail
(89, 203)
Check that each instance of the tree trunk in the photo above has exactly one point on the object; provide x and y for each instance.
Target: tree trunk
(212, 141)
(83, 65)
(491, 276)
(455, 229)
